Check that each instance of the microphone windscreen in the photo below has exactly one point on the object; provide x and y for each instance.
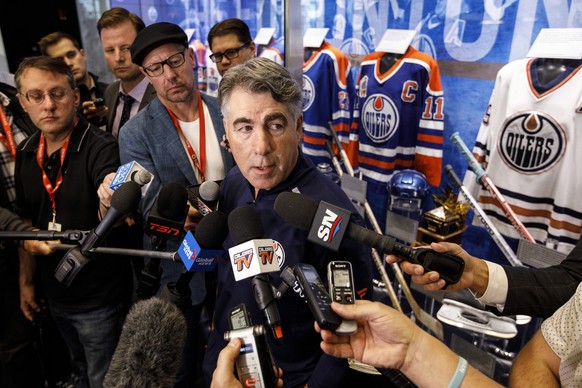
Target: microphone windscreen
(150, 346)
(172, 201)
(212, 230)
(209, 191)
(126, 198)
(244, 224)
(141, 177)
(296, 209)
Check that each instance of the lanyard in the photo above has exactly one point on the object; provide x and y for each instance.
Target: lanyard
(45, 180)
(200, 165)
(7, 140)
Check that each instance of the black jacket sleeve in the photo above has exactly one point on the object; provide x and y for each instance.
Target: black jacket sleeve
(540, 292)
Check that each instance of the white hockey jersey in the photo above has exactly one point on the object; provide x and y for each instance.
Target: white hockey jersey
(530, 144)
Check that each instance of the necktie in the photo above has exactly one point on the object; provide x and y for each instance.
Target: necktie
(127, 103)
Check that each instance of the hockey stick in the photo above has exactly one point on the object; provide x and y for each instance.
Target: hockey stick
(375, 254)
(425, 318)
(491, 229)
(486, 181)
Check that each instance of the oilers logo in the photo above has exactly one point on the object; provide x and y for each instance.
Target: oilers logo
(308, 92)
(531, 142)
(379, 118)
(279, 253)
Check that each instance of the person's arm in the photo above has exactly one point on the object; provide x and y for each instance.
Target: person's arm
(388, 339)
(28, 302)
(536, 365)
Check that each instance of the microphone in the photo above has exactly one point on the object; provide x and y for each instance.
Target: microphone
(123, 201)
(252, 256)
(132, 172)
(199, 254)
(165, 222)
(148, 353)
(329, 224)
(204, 197)
(168, 215)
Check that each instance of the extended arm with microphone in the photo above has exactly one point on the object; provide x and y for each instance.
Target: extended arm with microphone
(124, 201)
(253, 256)
(327, 225)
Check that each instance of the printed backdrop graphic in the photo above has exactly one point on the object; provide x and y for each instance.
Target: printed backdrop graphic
(471, 39)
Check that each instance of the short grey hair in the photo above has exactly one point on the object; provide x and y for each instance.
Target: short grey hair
(262, 75)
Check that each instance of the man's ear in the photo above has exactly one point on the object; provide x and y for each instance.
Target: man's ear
(299, 128)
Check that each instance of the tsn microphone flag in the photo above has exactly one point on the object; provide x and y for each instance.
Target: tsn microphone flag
(329, 225)
(196, 258)
(252, 258)
(132, 171)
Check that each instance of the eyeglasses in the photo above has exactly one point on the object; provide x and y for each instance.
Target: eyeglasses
(156, 69)
(56, 94)
(230, 53)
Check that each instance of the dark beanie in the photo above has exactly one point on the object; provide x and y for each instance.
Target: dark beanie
(154, 36)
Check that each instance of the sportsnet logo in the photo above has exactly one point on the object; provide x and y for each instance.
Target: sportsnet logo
(329, 227)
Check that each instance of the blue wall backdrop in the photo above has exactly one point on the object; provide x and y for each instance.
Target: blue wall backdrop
(471, 39)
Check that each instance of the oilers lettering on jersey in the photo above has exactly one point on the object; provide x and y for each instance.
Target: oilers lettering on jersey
(530, 149)
(379, 117)
(326, 76)
(531, 142)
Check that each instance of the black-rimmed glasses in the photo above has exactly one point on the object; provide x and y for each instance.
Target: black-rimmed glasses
(157, 69)
(230, 53)
(37, 97)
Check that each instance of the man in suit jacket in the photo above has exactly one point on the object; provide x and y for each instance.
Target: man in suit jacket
(118, 28)
(513, 290)
(176, 138)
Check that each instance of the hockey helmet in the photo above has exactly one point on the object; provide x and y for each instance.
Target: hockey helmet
(407, 190)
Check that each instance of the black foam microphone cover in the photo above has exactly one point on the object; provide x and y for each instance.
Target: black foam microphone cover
(244, 224)
(212, 230)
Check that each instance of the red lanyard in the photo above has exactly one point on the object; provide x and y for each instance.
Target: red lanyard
(45, 180)
(200, 165)
(7, 140)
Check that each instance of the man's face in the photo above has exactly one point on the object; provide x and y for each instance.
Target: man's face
(222, 44)
(263, 137)
(116, 42)
(75, 58)
(174, 85)
(50, 116)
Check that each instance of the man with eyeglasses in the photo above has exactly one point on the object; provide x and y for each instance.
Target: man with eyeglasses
(231, 44)
(59, 170)
(176, 137)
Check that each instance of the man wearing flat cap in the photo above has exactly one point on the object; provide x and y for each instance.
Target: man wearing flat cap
(176, 138)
